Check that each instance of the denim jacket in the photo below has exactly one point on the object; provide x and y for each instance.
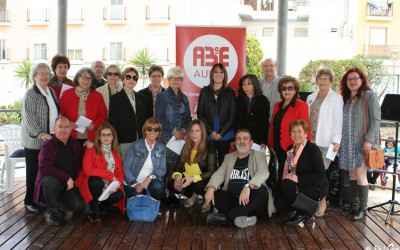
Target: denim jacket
(167, 111)
(136, 157)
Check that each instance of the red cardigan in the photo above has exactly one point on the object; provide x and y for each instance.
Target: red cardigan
(298, 111)
(95, 165)
(95, 109)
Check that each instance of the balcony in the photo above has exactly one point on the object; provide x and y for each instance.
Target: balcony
(4, 17)
(157, 14)
(37, 16)
(384, 52)
(115, 14)
(379, 10)
(75, 16)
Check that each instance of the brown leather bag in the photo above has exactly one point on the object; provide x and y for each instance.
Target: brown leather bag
(375, 158)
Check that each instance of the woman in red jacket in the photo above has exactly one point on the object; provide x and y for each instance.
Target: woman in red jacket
(83, 100)
(287, 110)
(101, 165)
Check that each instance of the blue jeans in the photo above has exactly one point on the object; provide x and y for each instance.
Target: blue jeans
(155, 188)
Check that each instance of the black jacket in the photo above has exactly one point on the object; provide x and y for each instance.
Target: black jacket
(149, 97)
(123, 118)
(256, 121)
(225, 107)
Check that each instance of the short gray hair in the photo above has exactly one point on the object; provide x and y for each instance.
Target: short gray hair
(175, 71)
(36, 68)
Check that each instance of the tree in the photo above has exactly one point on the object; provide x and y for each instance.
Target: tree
(254, 56)
(143, 61)
(23, 73)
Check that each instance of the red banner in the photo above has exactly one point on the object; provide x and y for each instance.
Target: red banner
(199, 48)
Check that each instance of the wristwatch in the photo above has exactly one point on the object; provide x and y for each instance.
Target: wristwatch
(247, 185)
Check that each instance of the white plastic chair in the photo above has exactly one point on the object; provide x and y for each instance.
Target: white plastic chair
(12, 145)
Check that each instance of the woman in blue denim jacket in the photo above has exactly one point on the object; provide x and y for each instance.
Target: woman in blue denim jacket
(145, 162)
(172, 109)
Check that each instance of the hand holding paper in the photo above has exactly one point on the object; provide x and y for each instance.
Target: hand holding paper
(82, 123)
(109, 190)
(175, 145)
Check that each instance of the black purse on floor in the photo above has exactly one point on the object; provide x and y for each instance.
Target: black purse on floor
(305, 204)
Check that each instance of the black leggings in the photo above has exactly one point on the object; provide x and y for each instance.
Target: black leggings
(96, 185)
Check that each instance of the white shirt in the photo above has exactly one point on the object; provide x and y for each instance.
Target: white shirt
(147, 168)
(53, 111)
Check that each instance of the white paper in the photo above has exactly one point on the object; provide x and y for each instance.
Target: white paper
(109, 190)
(175, 145)
(82, 123)
(64, 88)
(257, 147)
(330, 154)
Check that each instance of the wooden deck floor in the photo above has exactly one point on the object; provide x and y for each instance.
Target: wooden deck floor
(186, 229)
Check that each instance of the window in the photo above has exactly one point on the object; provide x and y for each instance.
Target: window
(117, 10)
(268, 32)
(116, 51)
(3, 49)
(74, 54)
(158, 9)
(40, 51)
(300, 32)
(158, 47)
(75, 10)
(377, 36)
(267, 5)
(3, 11)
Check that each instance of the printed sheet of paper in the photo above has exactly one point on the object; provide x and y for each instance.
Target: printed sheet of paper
(109, 190)
(82, 123)
(64, 88)
(257, 147)
(330, 154)
(175, 145)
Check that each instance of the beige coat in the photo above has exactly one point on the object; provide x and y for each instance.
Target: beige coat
(105, 92)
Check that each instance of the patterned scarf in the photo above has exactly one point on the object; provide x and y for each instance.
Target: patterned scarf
(292, 158)
(82, 92)
(110, 162)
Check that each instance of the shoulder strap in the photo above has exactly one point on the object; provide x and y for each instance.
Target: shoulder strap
(364, 113)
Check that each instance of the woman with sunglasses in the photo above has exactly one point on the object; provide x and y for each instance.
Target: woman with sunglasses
(128, 111)
(285, 111)
(102, 165)
(145, 162)
(83, 100)
(112, 86)
(356, 92)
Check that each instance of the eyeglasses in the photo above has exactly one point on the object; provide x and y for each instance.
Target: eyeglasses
(350, 79)
(149, 129)
(98, 67)
(112, 74)
(323, 79)
(86, 78)
(156, 76)
(290, 88)
(43, 73)
(128, 77)
(178, 79)
(106, 135)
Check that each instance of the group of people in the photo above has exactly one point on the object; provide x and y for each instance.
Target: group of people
(69, 166)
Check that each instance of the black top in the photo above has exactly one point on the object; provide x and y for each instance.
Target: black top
(65, 159)
(239, 176)
(149, 97)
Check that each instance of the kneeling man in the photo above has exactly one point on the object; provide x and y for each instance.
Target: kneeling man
(244, 194)
(60, 160)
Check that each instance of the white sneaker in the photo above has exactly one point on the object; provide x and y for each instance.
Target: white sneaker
(244, 221)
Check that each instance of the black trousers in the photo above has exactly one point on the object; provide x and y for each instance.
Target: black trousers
(228, 204)
(197, 188)
(281, 155)
(31, 170)
(58, 199)
(222, 148)
(96, 185)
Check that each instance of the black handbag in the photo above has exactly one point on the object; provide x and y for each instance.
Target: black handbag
(305, 204)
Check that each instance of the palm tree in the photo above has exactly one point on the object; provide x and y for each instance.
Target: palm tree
(23, 73)
(143, 61)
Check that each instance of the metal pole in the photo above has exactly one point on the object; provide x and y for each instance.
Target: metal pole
(62, 27)
(282, 36)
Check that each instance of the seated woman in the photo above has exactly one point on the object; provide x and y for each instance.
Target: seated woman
(101, 165)
(304, 172)
(145, 162)
(196, 165)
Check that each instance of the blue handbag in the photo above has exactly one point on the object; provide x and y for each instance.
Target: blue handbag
(142, 208)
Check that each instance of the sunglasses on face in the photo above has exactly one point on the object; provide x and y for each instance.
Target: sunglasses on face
(112, 74)
(149, 129)
(290, 88)
(128, 77)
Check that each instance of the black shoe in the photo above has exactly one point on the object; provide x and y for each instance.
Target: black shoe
(372, 188)
(94, 217)
(359, 215)
(217, 219)
(33, 209)
(348, 211)
(53, 219)
(296, 219)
